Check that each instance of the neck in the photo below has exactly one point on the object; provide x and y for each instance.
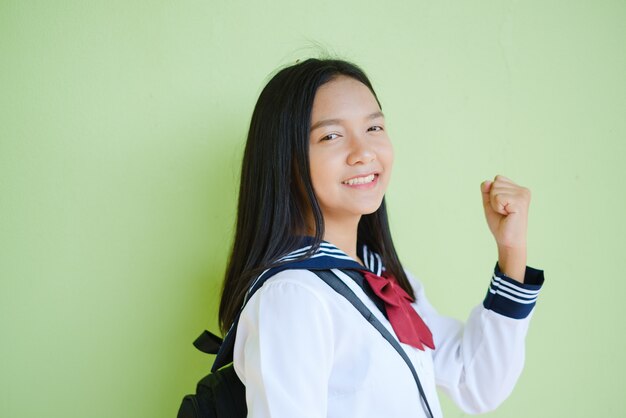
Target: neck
(343, 235)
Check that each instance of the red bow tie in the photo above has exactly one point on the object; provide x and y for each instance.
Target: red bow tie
(405, 321)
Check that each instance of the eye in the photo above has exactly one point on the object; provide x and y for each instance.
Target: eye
(375, 128)
(329, 137)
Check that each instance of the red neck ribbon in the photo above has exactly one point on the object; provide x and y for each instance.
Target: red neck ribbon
(405, 321)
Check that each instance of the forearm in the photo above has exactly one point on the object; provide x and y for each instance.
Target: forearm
(512, 262)
(480, 367)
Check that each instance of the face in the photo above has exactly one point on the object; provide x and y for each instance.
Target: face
(350, 153)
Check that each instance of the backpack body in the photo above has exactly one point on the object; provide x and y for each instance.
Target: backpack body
(218, 395)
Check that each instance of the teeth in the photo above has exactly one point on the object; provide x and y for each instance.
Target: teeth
(360, 180)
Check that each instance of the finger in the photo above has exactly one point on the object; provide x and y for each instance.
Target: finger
(502, 179)
(506, 189)
(512, 189)
(485, 188)
(501, 185)
(507, 203)
(498, 203)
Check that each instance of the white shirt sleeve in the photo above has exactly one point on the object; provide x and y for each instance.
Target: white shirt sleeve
(285, 351)
(477, 363)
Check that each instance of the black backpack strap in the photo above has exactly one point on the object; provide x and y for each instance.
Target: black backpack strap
(225, 351)
(208, 342)
(340, 287)
(360, 280)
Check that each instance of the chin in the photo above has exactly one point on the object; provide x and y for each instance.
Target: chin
(370, 209)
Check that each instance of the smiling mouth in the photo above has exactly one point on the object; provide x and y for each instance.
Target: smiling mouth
(360, 180)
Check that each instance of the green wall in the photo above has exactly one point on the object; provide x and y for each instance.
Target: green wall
(122, 126)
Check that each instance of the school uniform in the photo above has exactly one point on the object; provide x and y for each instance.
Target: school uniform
(304, 351)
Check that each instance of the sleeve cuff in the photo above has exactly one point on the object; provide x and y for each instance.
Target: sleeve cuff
(511, 298)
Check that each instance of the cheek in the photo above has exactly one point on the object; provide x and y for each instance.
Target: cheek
(321, 174)
(322, 179)
(386, 156)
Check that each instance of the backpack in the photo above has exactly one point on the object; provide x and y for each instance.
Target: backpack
(221, 394)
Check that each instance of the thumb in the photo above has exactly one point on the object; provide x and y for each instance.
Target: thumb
(491, 216)
(485, 188)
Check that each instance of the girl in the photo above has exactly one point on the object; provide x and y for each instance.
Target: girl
(315, 169)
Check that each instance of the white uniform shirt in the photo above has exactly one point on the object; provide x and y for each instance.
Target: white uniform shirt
(304, 351)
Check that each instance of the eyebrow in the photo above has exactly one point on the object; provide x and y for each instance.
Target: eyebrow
(327, 122)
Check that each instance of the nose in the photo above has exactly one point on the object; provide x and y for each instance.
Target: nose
(361, 151)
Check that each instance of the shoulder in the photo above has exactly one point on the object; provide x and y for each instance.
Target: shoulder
(301, 293)
(292, 280)
(291, 291)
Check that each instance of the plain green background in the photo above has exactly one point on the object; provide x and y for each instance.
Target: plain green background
(122, 126)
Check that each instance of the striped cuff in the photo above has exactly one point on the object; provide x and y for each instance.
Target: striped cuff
(511, 298)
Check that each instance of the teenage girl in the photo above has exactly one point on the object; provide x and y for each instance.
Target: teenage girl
(315, 170)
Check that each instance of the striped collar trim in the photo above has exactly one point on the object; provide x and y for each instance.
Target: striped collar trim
(327, 257)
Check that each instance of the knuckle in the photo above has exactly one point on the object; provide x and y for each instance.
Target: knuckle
(498, 198)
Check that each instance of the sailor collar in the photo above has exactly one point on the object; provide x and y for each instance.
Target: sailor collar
(326, 257)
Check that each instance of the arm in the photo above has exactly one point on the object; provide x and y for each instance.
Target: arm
(284, 351)
(478, 365)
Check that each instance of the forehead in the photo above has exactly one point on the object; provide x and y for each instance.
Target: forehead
(343, 97)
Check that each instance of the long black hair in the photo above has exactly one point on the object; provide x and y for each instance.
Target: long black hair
(276, 196)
